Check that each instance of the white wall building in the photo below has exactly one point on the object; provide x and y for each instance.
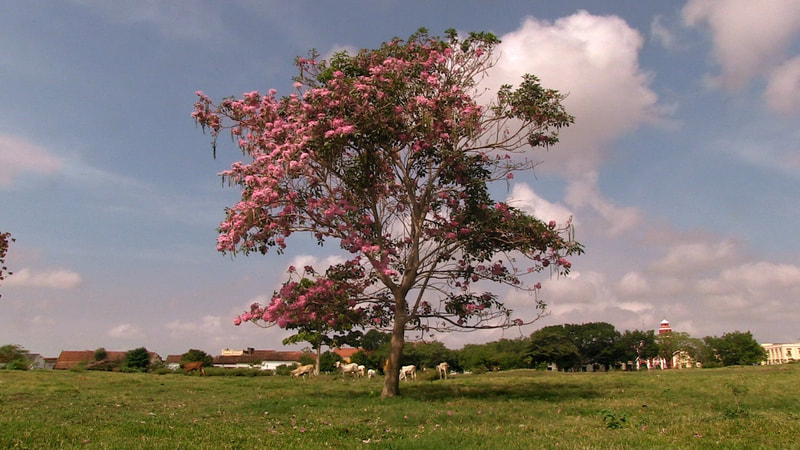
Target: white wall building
(781, 353)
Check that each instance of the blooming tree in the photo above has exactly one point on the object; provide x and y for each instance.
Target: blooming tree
(5, 240)
(390, 153)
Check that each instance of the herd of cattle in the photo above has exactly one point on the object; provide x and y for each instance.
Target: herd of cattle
(357, 370)
(406, 372)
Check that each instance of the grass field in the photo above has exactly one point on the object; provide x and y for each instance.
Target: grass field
(740, 407)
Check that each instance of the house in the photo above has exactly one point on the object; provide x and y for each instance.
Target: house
(173, 362)
(256, 359)
(346, 353)
(70, 359)
(778, 353)
(37, 361)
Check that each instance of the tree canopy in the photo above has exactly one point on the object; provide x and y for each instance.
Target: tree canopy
(137, 359)
(389, 152)
(195, 355)
(736, 348)
(5, 240)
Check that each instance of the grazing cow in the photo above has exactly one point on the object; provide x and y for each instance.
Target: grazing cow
(308, 369)
(408, 372)
(191, 366)
(442, 368)
(348, 368)
(362, 370)
(371, 373)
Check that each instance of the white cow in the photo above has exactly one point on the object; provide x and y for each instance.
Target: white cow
(408, 372)
(362, 370)
(371, 373)
(347, 368)
(442, 368)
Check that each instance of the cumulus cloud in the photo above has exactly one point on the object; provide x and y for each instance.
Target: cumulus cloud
(318, 263)
(750, 40)
(54, 279)
(524, 198)
(595, 61)
(592, 59)
(126, 331)
(18, 155)
(583, 192)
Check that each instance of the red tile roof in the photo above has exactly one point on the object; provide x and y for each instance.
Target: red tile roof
(346, 353)
(71, 358)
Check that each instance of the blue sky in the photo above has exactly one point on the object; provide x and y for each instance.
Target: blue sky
(682, 171)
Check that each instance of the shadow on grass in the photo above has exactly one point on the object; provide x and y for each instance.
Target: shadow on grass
(482, 387)
(555, 392)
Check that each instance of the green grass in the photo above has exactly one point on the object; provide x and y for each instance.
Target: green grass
(742, 407)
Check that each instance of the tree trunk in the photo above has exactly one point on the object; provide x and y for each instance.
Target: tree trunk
(319, 351)
(391, 385)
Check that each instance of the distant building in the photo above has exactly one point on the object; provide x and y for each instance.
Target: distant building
(346, 353)
(69, 359)
(256, 359)
(173, 362)
(680, 358)
(781, 353)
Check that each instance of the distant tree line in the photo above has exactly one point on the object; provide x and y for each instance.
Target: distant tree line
(571, 347)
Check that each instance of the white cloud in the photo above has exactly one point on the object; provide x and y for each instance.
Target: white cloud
(208, 325)
(18, 156)
(55, 279)
(583, 192)
(126, 331)
(696, 257)
(661, 33)
(524, 198)
(318, 263)
(783, 88)
(749, 37)
(336, 48)
(593, 59)
(633, 284)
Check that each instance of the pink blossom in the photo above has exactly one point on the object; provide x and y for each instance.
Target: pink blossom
(237, 321)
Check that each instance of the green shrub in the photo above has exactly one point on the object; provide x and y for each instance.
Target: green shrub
(613, 420)
(284, 370)
(137, 360)
(18, 364)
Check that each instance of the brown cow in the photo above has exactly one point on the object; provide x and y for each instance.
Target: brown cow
(190, 366)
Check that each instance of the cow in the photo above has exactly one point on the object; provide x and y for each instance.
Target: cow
(348, 368)
(192, 366)
(443, 368)
(408, 373)
(303, 370)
